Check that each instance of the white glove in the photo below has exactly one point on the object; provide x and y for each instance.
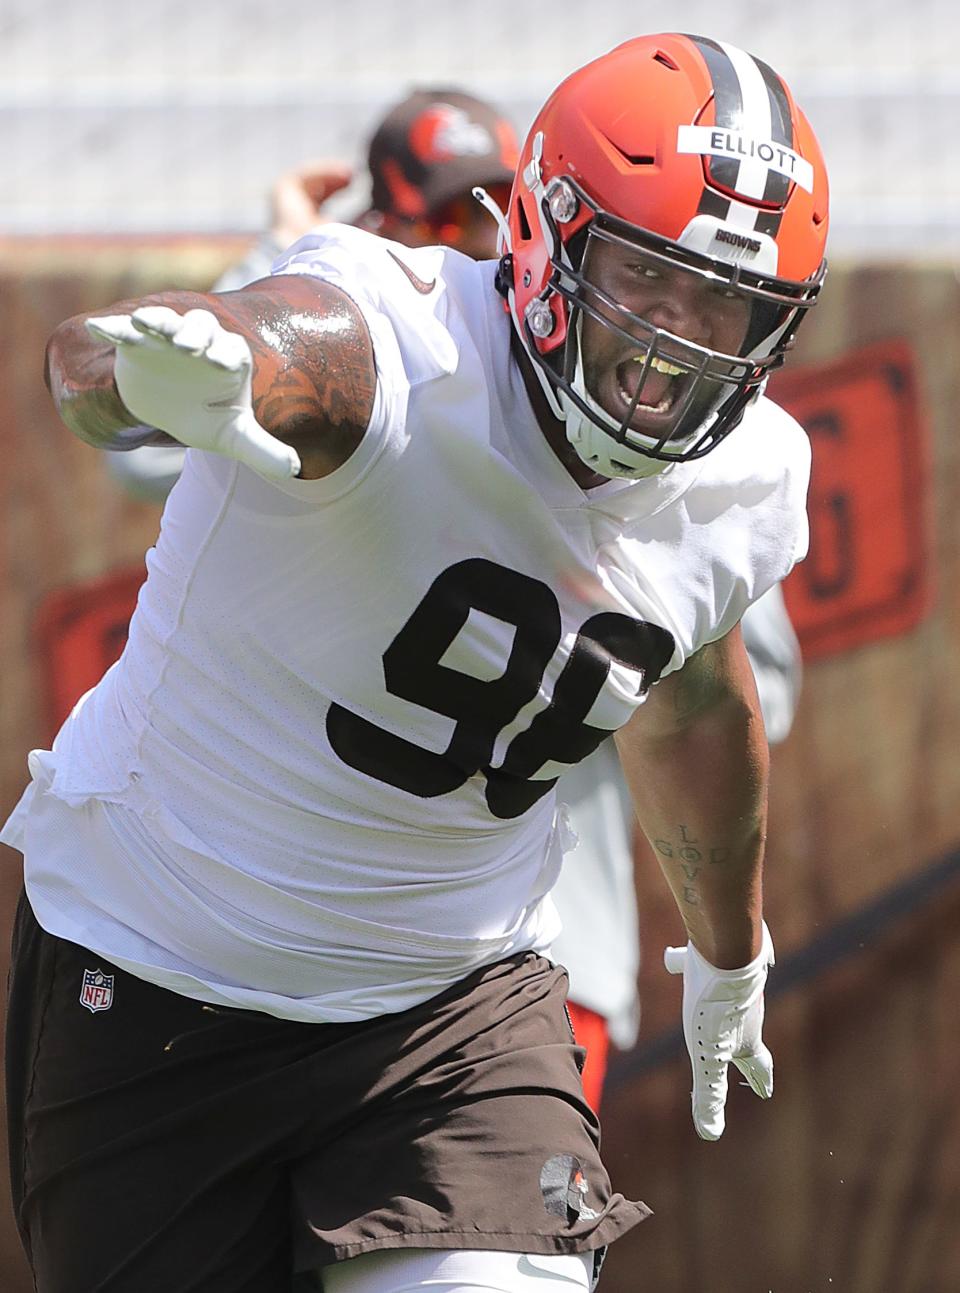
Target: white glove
(187, 375)
(722, 1019)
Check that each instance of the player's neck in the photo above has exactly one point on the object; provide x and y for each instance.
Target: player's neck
(553, 429)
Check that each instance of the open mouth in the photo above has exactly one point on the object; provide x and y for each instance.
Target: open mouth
(659, 388)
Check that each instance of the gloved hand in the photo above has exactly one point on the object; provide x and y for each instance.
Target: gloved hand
(187, 375)
(722, 1020)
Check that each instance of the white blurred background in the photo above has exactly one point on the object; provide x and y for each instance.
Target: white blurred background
(176, 115)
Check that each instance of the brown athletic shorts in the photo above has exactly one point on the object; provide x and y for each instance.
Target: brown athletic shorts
(159, 1144)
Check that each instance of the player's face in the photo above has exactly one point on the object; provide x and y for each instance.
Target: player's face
(686, 305)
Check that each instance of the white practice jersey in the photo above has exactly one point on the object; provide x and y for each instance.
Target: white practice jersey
(319, 780)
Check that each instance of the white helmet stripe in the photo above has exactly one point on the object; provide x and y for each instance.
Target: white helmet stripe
(756, 120)
(742, 215)
(752, 115)
(778, 185)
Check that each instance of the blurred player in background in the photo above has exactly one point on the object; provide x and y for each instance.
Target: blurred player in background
(424, 160)
(431, 554)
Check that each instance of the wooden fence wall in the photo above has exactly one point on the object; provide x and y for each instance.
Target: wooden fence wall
(849, 1180)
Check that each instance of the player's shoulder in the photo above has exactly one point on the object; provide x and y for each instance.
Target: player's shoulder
(751, 491)
(765, 413)
(423, 294)
(333, 249)
(770, 439)
(768, 451)
(746, 507)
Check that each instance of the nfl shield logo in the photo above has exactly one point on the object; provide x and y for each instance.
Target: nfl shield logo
(97, 991)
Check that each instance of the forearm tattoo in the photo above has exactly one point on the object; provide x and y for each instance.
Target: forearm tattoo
(695, 688)
(79, 376)
(686, 856)
(314, 376)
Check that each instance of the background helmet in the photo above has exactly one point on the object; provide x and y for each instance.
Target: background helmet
(425, 158)
(693, 152)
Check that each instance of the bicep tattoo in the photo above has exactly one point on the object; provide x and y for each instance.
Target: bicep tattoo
(314, 372)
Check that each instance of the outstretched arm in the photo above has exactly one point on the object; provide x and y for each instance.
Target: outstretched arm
(312, 380)
(696, 760)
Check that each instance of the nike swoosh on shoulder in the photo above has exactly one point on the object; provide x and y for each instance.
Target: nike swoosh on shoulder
(423, 288)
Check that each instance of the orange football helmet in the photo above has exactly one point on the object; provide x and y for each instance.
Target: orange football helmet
(692, 154)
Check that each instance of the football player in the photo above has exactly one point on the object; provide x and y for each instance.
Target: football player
(424, 159)
(279, 1010)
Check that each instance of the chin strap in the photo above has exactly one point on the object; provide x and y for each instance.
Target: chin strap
(490, 206)
(504, 283)
(563, 409)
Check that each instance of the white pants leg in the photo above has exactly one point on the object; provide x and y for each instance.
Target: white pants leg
(423, 1270)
